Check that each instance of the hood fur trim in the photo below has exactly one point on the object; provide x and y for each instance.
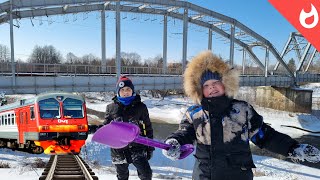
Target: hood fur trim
(207, 61)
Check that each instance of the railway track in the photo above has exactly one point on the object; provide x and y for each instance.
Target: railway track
(67, 167)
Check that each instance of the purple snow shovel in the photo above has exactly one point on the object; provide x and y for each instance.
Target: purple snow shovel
(120, 134)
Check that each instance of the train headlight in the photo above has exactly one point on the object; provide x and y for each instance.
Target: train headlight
(44, 128)
(82, 133)
(81, 127)
(43, 134)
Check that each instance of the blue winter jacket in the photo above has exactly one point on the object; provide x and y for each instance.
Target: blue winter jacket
(222, 140)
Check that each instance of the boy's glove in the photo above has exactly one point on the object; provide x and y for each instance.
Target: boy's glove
(306, 152)
(174, 152)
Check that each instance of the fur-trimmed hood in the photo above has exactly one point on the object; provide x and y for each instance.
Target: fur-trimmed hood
(207, 61)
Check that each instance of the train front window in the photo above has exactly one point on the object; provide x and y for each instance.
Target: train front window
(49, 108)
(72, 108)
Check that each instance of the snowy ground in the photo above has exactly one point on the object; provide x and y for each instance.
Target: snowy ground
(267, 169)
(170, 110)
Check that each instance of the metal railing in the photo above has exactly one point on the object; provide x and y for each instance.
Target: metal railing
(33, 69)
(72, 69)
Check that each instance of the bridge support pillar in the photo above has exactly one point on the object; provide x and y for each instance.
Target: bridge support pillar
(285, 99)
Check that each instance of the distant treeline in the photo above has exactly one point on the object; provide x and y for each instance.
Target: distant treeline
(48, 54)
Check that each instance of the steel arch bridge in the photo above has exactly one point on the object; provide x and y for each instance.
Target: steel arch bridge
(229, 28)
(236, 32)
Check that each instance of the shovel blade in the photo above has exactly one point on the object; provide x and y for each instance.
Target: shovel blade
(116, 134)
(119, 134)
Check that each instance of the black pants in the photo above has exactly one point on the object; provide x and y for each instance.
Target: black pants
(202, 171)
(142, 165)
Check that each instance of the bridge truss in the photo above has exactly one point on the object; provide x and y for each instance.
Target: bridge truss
(234, 32)
(304, 52)
(237, 33)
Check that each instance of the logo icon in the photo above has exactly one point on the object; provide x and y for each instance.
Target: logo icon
(304, 16)
(62, 121)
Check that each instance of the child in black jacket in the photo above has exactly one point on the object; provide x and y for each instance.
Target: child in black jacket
(222, 126)
(127, 107)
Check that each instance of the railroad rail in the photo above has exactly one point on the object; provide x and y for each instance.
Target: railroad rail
(67, 167)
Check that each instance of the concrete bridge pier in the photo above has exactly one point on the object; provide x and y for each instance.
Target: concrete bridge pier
(285, 99)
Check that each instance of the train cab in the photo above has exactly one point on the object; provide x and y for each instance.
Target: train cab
(53, 123)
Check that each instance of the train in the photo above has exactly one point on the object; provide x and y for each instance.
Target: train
(50, 123)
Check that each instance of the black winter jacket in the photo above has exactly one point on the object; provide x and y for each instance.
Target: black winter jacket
(136, 113)
(222, 128)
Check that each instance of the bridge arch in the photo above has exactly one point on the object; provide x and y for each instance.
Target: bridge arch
(237, 33)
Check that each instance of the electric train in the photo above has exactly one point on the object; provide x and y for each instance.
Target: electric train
(53, 123)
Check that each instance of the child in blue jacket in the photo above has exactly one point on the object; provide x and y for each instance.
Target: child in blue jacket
(222, 126)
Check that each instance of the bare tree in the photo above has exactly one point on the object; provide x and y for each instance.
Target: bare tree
(292, 65)
(158, 61)
(315, 65)
(71, 58)
(90, 59)
(130, 59)
(19, 60)
(45, 54)
(155, 61)
(111, 62)
(4, 53)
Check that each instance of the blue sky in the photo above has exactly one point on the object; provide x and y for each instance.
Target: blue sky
(81, 34)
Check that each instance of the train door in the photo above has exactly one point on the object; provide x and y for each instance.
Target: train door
(22, 125)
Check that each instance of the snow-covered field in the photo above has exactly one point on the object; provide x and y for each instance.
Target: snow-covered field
(170, 110)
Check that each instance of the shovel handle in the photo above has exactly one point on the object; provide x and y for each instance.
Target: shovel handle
(151, 142)
(185, 149)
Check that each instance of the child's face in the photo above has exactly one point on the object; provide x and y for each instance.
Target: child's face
(125, 92)
(213, 88)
